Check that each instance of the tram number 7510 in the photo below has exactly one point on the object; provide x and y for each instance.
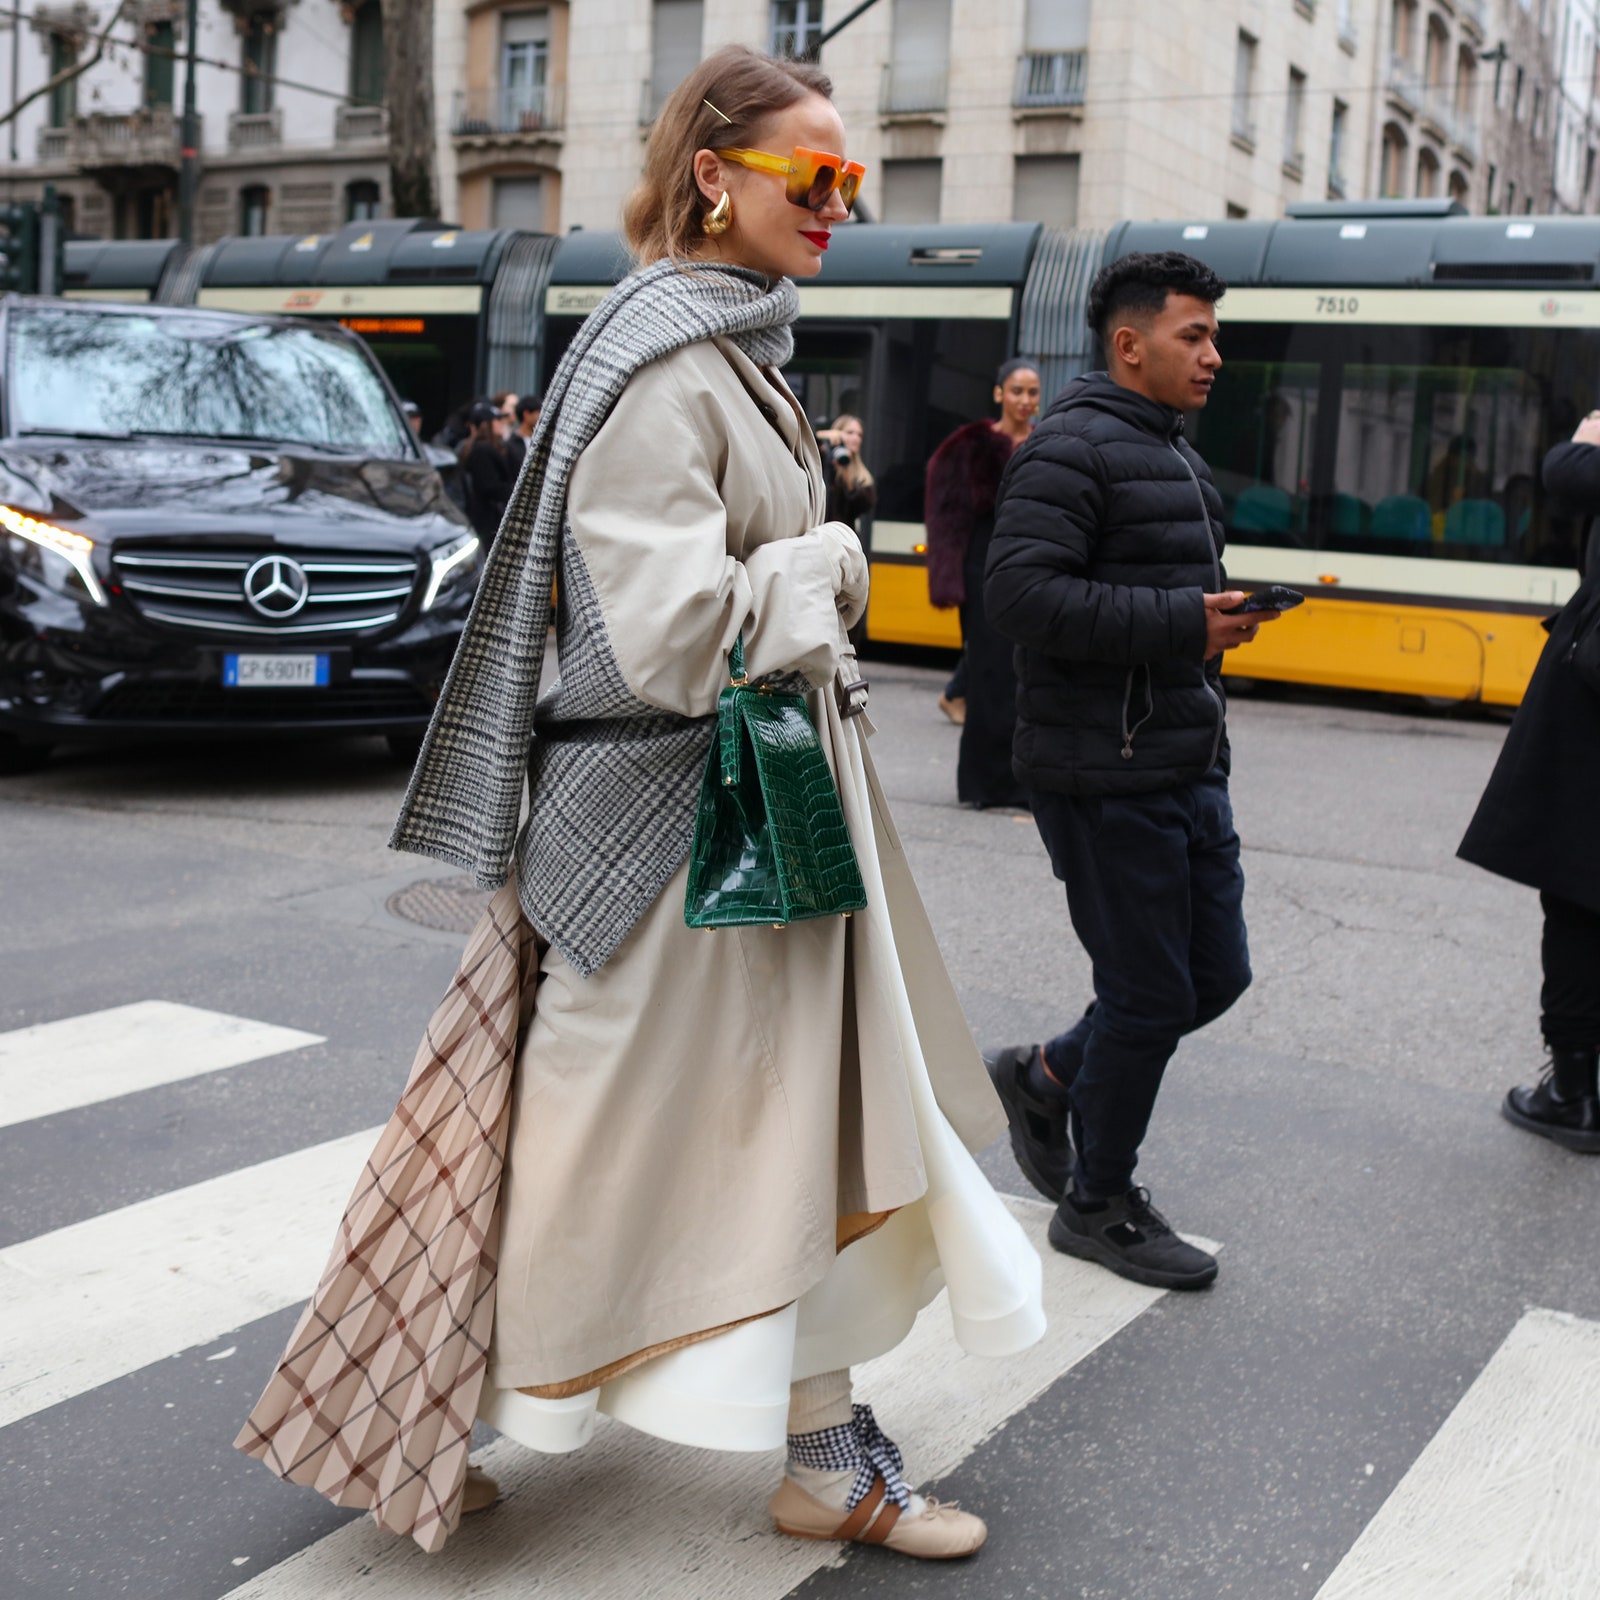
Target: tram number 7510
(1338, 305)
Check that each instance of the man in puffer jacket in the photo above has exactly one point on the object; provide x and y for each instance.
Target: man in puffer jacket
(1106, 569)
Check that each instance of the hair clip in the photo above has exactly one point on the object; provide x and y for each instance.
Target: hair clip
(708, 105)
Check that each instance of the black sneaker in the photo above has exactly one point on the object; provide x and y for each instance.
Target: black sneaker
(1129, 1237)
(1039, 1136)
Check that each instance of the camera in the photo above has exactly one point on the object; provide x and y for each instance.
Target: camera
(839, 456)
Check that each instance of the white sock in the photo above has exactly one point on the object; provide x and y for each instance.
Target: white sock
(825, 1402)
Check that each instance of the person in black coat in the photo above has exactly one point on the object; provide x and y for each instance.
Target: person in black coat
(1106, 568)
(962, 482)
(1538, 823)
(488, 477)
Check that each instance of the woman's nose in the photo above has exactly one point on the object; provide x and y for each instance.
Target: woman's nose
(835, 210)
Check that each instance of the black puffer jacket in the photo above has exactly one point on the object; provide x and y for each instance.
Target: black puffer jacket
(1107, 533)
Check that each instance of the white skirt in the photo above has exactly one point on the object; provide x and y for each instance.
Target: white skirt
(731, 1391)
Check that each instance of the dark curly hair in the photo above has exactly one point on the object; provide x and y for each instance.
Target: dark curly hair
(1141, 283)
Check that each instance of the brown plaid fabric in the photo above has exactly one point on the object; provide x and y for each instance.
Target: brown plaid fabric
(373, 1401)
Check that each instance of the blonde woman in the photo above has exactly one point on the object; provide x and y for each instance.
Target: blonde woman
(735, 1163)
(852, 494)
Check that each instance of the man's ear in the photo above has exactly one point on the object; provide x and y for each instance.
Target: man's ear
(1126, 343)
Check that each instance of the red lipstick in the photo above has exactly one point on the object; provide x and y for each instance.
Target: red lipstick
(820, 240)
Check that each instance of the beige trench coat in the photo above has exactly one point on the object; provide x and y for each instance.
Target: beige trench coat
(701, 1124)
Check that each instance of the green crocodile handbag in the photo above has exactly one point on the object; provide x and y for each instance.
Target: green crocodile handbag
(770, 842)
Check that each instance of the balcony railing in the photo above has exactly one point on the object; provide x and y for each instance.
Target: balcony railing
(359, 124)
(145, 138)
(53, 144)
(1058, 79)
(908, 90)
(1349, 33)
(523, 109)
(255, 130)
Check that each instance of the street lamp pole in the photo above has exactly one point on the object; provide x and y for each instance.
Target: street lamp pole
(16, 52)
(191, 130)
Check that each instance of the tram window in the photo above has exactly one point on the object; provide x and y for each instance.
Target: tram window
(1413, 441)
(434, 366)
(935, 377)
(1260, 431)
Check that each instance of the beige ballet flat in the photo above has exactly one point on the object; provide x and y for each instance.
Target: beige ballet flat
(956, 710)
(480, 1493)
(937, 1533)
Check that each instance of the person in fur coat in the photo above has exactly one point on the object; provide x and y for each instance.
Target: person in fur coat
(962, 482)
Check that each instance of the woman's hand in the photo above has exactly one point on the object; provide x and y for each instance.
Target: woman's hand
(1588, 430)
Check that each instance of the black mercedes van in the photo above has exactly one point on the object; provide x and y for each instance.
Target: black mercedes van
(213, 525)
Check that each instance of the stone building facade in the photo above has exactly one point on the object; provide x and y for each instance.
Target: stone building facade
(290, 95)
(1072, 112)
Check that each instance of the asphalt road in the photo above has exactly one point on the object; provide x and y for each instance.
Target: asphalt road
(1383, 1232)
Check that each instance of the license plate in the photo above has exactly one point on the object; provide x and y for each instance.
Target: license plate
(274, 672)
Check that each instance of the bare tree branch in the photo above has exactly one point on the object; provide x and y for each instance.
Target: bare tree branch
(66, 74)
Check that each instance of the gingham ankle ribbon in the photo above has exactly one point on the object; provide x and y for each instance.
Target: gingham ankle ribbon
(859, 1443)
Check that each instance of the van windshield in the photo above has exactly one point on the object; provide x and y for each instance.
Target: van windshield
(94, 374)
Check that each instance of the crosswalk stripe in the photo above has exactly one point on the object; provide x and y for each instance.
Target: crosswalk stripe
(633, 1515)
(102, 1298)
(60, 1066)
(1502, 1501)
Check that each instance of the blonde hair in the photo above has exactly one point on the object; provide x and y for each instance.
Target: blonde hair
(663, 215)
(857, 472)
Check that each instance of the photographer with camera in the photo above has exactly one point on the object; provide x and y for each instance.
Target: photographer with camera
(851, 491)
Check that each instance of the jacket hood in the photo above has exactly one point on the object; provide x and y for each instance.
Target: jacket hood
(1099, 390)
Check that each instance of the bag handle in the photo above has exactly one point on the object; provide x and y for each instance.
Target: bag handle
(736, 672)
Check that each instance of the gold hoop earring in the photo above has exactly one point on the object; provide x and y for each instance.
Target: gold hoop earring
(718, 220)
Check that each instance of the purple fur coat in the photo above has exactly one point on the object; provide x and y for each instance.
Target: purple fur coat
(963, 479)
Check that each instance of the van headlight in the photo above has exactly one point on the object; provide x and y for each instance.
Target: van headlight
(54, 557)
(451, 564)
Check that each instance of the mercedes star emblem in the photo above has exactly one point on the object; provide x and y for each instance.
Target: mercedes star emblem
(276, 587)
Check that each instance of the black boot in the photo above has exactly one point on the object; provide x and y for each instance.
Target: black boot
(1565, 1103)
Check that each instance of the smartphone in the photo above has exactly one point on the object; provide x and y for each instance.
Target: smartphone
(1276, 598)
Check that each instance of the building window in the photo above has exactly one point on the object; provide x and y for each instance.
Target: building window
(1511, 196)
(1460, 188)
(258, 52)
(676, 30)
(1434, 63)
(1490, 174)
(1337, 136)
(1236, 213)
(524, 69)
(253, 210)
(1427, 174)
(362, 201)
(917, 77)
(1294, 116)
(1516, 97)
(64, 97)
(1538, 112)
(519, 203)
(161, 44)
(1244, 75)
(796, 27)
(366, 55)
(1392, 181)
(911, 190)
(1403, 28)
(1045, 189)
(1466, 79)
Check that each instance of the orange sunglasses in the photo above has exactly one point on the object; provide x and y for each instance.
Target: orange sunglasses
(810, 175)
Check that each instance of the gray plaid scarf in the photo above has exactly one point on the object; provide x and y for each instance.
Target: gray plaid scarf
(465, 795)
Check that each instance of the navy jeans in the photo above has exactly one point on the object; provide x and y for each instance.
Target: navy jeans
(1156, 896)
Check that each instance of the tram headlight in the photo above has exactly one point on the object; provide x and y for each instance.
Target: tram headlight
(54, 557)
(450, 564)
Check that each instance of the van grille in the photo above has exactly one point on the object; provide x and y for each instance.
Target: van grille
(204, 589)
